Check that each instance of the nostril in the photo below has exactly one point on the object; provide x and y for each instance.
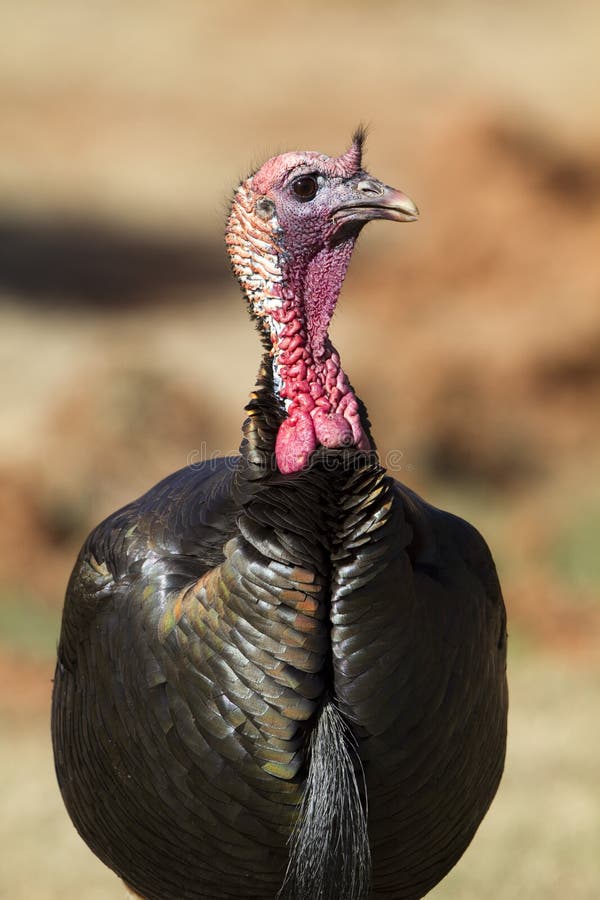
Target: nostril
(370, 187)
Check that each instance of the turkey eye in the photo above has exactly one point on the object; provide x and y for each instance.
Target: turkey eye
(305, 187)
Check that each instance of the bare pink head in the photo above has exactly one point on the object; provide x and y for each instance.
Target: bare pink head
(277, 169)
(290, 235)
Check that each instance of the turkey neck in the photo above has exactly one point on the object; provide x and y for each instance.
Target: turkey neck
(265, 416)
(321, 408)
(292, 294)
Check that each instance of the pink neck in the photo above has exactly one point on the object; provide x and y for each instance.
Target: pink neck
(321, 407)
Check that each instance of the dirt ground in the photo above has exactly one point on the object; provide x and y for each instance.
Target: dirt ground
(473, 337)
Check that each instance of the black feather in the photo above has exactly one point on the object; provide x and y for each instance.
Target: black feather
(330, 856)
(360, 136)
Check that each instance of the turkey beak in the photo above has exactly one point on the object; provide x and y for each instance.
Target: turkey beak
(370, 199)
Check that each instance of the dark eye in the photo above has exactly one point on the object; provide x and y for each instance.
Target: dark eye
(305, 187)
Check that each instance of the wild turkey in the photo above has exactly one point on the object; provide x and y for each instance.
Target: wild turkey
(283, 674)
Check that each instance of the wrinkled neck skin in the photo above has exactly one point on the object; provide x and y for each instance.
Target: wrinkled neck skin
(321, 407)
(294, 299)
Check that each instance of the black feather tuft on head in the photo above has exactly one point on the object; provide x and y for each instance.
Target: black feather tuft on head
(360, 135)
(359, 138)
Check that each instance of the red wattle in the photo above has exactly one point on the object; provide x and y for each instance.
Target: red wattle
(296, 440)
(332, 429)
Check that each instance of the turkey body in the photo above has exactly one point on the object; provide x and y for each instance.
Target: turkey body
(204, 626)
(209, 629)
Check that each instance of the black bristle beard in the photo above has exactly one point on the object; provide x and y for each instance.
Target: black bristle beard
(330, 858)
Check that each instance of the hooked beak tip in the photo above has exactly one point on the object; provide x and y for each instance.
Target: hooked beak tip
(402, 208)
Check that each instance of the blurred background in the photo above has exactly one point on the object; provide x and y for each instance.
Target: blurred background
(473, 336)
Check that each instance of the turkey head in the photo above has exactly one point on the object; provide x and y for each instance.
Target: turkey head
(290, 236)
